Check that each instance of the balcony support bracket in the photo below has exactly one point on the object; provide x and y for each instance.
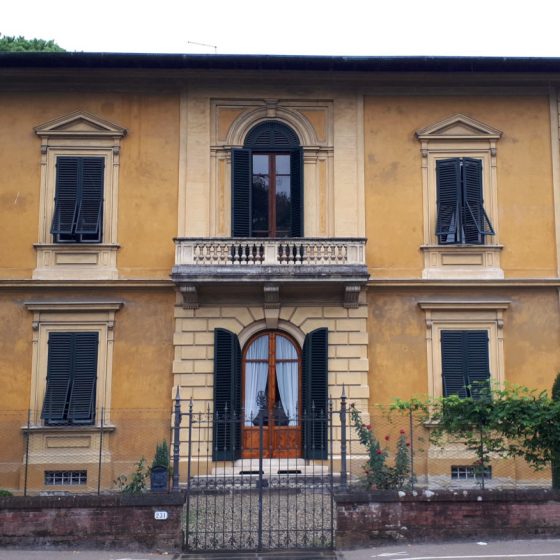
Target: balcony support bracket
(190, 296)
(352, 296)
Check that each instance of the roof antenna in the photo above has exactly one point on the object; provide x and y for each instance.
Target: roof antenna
(204, 45)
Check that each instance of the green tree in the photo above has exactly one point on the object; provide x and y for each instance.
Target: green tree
(511, 422)
(21, 44)
(556, 456)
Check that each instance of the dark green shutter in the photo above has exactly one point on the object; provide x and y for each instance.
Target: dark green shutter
(476, 224)
(226, 440)
(296, 179)
(71, 378)
(315, 385)
(453, 363)
(448, 179)
(465, 362)
(66, 195)
(91, 202)
(478, 362)
(59, 377)
(81, 406)
(241, 193)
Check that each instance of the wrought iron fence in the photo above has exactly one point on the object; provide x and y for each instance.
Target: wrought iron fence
(264, 495)
(95, 459)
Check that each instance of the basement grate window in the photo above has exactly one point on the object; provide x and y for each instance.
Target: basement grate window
(68, 478)
(468, 473)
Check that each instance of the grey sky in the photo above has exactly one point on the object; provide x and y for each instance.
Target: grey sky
(328, 27)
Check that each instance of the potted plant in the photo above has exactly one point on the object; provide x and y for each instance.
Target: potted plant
(159, 472)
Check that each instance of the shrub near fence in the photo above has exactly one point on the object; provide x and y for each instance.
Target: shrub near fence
(447, 465)
(89, 459)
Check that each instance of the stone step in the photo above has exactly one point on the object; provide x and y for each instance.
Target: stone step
(271, 467)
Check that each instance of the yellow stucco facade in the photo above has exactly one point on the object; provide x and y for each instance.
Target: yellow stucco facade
(167, 271)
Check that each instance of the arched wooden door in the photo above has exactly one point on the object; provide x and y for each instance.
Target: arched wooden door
(271, 385)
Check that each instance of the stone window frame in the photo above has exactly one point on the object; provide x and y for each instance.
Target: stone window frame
(78, 134)
(318, 157)
(64, 316)
(464, 315)
(459, 136)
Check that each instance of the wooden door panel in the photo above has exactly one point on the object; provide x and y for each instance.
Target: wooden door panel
(250, 449)
(286, 442)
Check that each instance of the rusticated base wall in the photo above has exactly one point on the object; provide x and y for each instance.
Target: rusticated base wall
(111, 522)
(366, 519)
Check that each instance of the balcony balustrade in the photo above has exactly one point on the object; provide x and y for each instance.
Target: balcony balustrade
(329, 263)
(249, 251)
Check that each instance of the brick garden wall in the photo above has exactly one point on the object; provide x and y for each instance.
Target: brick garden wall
(112, 522)
(372, 518)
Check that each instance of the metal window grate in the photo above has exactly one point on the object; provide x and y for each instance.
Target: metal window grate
(68, 478)
(469, 473)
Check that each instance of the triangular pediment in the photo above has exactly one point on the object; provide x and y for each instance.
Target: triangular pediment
(80, 123)
(458, 127)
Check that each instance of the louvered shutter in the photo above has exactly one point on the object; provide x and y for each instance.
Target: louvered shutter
(476, 224)
(453, 353)
(477, 362)
(448, 178)
(315, 394)
(226, 438)
(91, 203)
(272, 136)
(59, 377)
(66, 195)
(241, 193)
(81, 405)
(296, 184)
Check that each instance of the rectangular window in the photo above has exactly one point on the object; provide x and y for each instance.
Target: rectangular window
(66, 478)
(71, 378)
(465, 362)
(461, 217)
(469, 473)
(78, 207)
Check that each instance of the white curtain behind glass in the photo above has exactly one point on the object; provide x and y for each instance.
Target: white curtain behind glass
(287, 378)
(256, 376)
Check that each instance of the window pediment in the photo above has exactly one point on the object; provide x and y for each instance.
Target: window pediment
(79, 138)
(458, 127)
(80, 124)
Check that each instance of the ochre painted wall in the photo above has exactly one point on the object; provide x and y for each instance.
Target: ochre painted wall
(142, 354)
(394, 212)
(147, 206)
(141, 385)
(397, 338)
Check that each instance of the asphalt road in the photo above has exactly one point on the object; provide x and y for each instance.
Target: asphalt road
(483, 550)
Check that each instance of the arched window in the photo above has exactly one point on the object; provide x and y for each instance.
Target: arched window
(267, 183)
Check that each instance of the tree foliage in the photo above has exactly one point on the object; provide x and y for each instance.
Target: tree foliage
(511, 422)
(21, 44)
(556, 458)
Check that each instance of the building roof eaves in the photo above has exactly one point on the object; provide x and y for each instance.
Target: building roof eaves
(399, 64)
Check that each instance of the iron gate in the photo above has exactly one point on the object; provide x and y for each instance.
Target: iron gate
(260, 493)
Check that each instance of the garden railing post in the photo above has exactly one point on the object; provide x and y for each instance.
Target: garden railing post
(411, 430)
(27, 434)
(343, 471)
(100, 452)
(176, 436)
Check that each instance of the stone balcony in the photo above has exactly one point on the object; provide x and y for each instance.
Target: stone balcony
(294, 269)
